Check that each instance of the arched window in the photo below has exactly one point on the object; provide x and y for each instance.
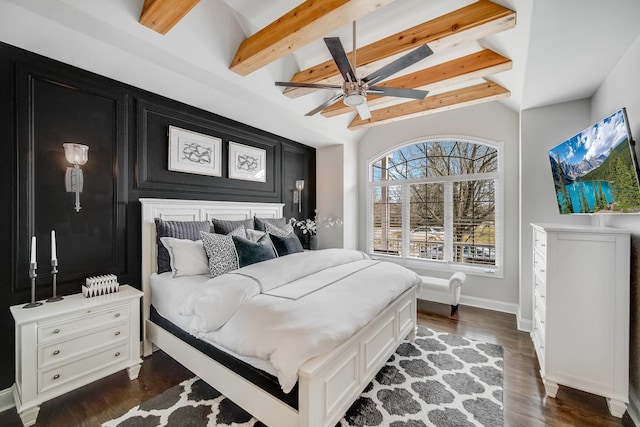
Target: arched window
(438, 201)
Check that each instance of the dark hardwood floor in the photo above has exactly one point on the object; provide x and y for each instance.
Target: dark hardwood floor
(524, 398)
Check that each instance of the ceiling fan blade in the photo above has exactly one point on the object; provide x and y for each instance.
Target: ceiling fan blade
(309, 85)
(340, 58)
(325, 105)
(399, 64)
(398, 92)
(363, 111)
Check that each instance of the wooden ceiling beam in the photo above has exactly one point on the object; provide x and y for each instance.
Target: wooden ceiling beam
(162, 15)
(476, 65)
(471, 22)
(305, 23)
(477, 94)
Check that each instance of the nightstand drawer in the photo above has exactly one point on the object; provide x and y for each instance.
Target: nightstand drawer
(55, 377)
(81, 322)
(60, 351)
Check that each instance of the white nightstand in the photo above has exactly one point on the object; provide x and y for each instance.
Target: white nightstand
(63, 345)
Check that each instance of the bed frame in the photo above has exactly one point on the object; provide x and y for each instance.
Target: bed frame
(327, 384)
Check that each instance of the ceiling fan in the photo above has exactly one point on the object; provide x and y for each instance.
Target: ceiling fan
(354, 90)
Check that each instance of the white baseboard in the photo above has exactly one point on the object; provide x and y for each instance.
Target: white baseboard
(6, 399)
(489, 304)
(634, 406)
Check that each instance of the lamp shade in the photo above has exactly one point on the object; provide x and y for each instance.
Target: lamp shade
(76, 154)
(300, 185)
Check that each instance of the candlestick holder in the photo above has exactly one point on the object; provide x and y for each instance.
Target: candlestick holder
(54, 273)
(32, 274)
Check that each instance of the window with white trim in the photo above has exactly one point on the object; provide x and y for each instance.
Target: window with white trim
(438, 201)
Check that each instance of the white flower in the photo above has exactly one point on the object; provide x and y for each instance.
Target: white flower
(311, 225)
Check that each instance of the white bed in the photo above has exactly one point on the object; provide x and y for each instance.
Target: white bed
(327, 384)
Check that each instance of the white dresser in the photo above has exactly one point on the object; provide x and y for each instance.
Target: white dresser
(581, 310)
(63, 345)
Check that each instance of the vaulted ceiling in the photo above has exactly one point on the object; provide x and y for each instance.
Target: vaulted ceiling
(224, 56)
(461, 80)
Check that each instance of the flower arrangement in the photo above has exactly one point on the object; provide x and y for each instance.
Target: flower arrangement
(310, 226)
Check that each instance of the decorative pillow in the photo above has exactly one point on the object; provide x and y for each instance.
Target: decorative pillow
(179, 230)
(254, 235)
(250, 252)
(223, 226)
(277, 231)
(221, 251)
(286, 245)
(188, 257)
(261, 223)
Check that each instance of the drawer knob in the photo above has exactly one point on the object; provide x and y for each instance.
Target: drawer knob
(56, 331)
(542, 270)
(117, 314)
(543, 245)
(57, 352)
(117, 333)
(56, 376)
(117, 354)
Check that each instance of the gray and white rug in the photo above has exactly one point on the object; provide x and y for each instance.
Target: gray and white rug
(439, 380)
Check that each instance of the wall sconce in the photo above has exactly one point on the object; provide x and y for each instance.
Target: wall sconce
(297, 196)
(77, 155)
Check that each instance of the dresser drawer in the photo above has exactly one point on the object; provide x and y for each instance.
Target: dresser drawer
(539, 266)
(59, 351)
(81, 322)
(539, 326)
(539, 289)
(55, 377)
(540, 241)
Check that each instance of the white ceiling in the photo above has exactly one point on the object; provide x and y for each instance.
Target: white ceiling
(561, 51)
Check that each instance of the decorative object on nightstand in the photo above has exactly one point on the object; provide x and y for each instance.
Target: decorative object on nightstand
(310, 226)
(100, 285)
(54, 269)
(63, 346)
(33, 266)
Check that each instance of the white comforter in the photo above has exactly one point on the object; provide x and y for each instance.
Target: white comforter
(296, 307)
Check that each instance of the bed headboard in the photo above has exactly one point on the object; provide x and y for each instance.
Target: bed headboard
(187, 210)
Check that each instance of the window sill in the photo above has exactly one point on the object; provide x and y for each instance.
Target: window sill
(417, 264)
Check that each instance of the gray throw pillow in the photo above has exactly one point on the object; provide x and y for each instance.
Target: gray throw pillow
(252, 252)
(178, 230)
(220, 251)
(286, 245)
(260, 223)
(277, 231)
(224, 226)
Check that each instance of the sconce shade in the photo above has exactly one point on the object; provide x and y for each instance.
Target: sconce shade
(300, 185)
(76, 154)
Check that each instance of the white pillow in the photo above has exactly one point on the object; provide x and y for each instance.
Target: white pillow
(187, 257)
(254, 235)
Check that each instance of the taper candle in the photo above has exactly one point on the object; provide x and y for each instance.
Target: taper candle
(33, 249)
(53, 245)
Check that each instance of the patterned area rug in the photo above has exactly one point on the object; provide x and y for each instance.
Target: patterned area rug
(438, 380)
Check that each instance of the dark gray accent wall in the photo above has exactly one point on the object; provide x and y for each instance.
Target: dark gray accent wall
(44, 103)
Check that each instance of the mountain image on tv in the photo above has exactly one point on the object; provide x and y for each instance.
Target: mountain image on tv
(595, 170)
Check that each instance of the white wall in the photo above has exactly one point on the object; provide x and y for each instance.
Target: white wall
(337, 194)
(541, 129)
(621, 89)
(493, 122)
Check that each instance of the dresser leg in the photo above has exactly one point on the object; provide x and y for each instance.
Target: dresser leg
(550, 387)
(133, 371)
(29, 416)
(617, 407)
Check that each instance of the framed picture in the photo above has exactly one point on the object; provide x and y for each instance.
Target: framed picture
(194, 152)
(248, 163)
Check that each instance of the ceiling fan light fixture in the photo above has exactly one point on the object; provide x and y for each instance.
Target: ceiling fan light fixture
(354, 97)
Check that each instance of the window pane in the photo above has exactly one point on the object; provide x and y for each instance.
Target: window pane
(426, 216)
(474, 222)
(387, 220)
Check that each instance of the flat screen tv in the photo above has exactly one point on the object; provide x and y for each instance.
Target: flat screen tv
(596, 171)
